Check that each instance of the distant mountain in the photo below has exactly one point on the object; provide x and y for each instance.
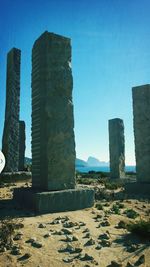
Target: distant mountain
(93, 162)
(80, 163)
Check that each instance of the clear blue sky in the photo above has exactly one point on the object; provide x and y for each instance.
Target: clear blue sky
(110, 54)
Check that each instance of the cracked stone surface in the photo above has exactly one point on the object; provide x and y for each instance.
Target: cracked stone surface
(10, 140)
(53, 144)
(117, 148)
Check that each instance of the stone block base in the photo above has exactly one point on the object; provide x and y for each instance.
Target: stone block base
(137, 188)
(54, 201)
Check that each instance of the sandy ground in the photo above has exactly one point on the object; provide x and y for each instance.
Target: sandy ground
(54, 241)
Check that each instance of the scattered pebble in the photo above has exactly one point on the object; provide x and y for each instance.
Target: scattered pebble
(25, 256)
(69, 224)
(85, 230)
(37, 244)
(85, 257)
(129, 264)
(18, 236)
(31, 240)
(66, 231)
(141, 260)
(57, 233)
(15, 250)
(104, 236)
(105, 243)
(115, 264)
(105, 223)
(90, 242)
(42, 225)
(82, 223)
(98, 247)
(68, 260)
(87, 235)
(47, 235)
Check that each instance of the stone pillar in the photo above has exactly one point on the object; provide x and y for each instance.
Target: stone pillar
(141, 114)
(22, 146)
(116, 148)
(10, 140)
(53, 145)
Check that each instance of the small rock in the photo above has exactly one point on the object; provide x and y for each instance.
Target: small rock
(37, 244)
(99, 216)
(104, 236)
(47, 235)
(31, 240)
(82, 223)
(67, 231)
(69, 224)
(129, 264)
(77, 250)
(98, 247)
(69, 238)
(68, 260)
(90, 242)
(115, 264)
(87, 235)
(86, 257)
(105, 223)
(17, 237)
(86, 230)
(75, 238)
(141, 260)
(69, 248)
(16, 251)
(25, 256)
(56, 221)
(42, 225)
(105, 243)
(58, 233)
(93, 211)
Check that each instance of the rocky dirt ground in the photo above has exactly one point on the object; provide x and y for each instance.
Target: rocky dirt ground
(90, 237)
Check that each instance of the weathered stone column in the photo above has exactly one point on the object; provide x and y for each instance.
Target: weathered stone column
(10, 141)
(53, 145)
(141, 113)
(22, 138)
(116, 148)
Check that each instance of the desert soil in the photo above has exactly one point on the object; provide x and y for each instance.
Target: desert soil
(50, 246)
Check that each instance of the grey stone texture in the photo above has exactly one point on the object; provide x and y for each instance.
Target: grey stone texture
(53, 145)
(10, 140)
(141, 121)
(22, 139)
(55, 201)
(116, 148)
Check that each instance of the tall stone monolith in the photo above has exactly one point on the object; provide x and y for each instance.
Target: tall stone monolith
(22, 138)
(116, 148)
(10, 141)
(53, 144)
(141, 120)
